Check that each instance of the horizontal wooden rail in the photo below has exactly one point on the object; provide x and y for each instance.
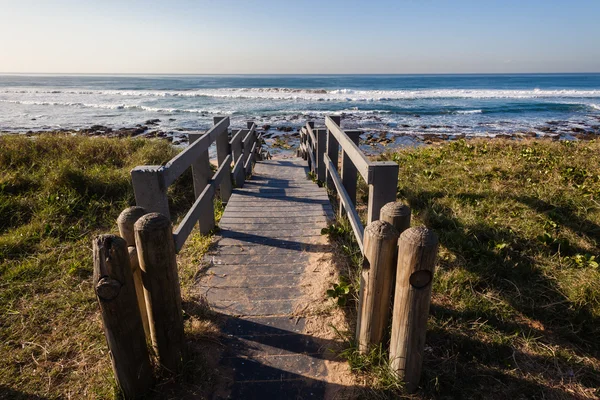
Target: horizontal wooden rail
(150, 183)
(182, 161)
(311, 134)
(322, 149)
(359, 160)
(187, 224)
(357, 226)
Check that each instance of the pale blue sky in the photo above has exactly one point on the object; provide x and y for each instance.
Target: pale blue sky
(267, 36)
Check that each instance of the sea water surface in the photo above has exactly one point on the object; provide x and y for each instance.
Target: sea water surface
(472, 105)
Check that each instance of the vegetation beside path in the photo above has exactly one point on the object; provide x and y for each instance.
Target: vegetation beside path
(56, 193)
(516, 302)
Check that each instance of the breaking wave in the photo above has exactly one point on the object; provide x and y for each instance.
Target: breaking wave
(331, 95)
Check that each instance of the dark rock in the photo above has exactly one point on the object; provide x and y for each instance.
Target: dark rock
(577, 129)
(172, 119)
(266, 127)
(586, 136)
(154, 121)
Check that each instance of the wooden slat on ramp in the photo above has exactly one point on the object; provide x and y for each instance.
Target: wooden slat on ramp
(270, 231)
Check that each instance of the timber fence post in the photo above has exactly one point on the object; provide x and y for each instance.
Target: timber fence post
(321, 148)
(201, 175)
(126, 221)
(312, 148)
(150, 189)
(115, 291)
(375, 296)
(156, 251)
(349, 173)
(223, 150)
(417, 252)
(397, 214)
(383, 184)
(333, 149)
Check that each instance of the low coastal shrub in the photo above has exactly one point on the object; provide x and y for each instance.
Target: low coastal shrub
(515, 311)
(56, 193)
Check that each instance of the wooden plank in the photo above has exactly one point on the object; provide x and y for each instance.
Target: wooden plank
(262, 214)
(354, 153)
(266, 220)
(311, 134)
(222, 172)
(236, 144)
(357, 226)
(183, 160)
(238, 173)
(193, 215)
(201, 170)
(349, 172)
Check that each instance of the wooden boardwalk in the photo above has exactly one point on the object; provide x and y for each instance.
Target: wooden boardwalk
(270, 235)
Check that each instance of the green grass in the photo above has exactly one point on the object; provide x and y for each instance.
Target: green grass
(516, 300)
(56, 193)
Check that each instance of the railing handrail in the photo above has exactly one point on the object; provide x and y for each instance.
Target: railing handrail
(380, 176)
(356, 155)
(151, 182)
(182, 161)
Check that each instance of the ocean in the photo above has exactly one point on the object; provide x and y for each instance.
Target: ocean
(400, 105)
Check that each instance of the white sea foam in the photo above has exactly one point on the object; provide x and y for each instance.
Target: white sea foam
(116, 107)
(469, 111)
(329, 95)
(595, 106)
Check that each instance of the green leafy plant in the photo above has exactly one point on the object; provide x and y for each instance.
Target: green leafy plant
(340, 292)
(583, 260)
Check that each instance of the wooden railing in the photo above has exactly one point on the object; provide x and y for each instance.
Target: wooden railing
(398, 261)
(150, 183)
(137, 311)
(322, 147)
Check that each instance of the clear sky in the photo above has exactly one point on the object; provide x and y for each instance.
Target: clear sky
(284, 36)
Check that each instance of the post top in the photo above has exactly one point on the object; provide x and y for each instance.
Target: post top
(381, 229)
(420, 236)
(395, 209)
(152, 222)
(130, 215)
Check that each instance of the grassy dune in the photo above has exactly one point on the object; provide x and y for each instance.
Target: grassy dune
(516, 302)
(56, 193)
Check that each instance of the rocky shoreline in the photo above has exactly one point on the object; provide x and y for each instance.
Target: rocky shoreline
(282, 135)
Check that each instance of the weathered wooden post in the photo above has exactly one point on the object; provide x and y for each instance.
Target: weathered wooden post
(416, 262)
(126, 221)
(397, 214)
(375, 296)
(349, 172)
(321, 135)
(156, 252)
(123, 328)
(150, 189)
(223, 150)
(201, 175)
(236, 145)
(310, 129)
(383, 184)
(333, 149)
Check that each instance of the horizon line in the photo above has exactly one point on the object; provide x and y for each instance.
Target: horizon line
(292, 74)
